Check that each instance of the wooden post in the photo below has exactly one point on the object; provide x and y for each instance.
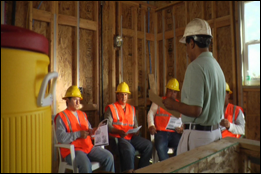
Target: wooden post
(113, 55)
(214, 31)
(135, 55)
(155, 51)
(76, 67)
(232, 26)
(164, 51)
(120, 73)
(174, 43)
(96, 61)
(145, 76)
(2, 12)
(203, 9)
(239, 58)
(30, 15)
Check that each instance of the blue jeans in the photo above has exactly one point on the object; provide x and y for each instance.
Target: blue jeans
(164, 140)
(127, 150)
(97, 154)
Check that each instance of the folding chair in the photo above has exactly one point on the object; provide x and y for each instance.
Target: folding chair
(63, 165)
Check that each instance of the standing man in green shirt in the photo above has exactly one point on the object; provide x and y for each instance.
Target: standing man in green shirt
(203, 91)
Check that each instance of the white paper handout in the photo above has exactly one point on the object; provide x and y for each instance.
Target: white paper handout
(130, 131)
(101, 134)
(173, 123)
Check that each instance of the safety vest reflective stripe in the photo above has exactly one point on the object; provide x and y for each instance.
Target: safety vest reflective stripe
(68, 121)
(119, 123)
(118, 118)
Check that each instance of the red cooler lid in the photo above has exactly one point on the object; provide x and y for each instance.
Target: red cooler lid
(21, 38)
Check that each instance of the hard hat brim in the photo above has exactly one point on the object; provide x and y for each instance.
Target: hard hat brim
(123, 92)
(183, 40)
(64, 98)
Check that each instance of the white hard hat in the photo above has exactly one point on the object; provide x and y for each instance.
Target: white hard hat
(196, 27)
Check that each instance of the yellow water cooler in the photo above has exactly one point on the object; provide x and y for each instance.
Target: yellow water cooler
(25, 101)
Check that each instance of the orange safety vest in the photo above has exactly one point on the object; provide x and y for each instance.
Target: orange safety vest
(122, 120)
(72, 125)
(162, 118)
(231, 115)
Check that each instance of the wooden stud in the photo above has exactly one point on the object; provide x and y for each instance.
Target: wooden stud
(239, 58)
(203, 9)
(164, 51)
(2, 12)
(119, 32)
(30, 15)
(135, 55)
(186, 12)
(42, 15)
(169, 5)
(214, 30)
(145, 74)
(76, 48)
(232, 27)
(155, 52)
(96, 59)
(174, 44)
(112, 5)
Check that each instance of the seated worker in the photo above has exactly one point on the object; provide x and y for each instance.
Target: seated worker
(73, 127)
(233, 123)
(121, 118)
(158, 120)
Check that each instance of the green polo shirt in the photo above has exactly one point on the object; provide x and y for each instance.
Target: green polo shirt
(204, 86)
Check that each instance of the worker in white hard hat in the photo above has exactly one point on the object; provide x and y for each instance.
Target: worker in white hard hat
(122, 118)
(233, 121)
(203, 90)
(166, 135)
(72, 127)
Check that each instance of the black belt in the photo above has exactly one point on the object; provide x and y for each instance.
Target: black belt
(199, 127)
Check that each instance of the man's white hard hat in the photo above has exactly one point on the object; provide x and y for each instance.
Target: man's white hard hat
(196, 27)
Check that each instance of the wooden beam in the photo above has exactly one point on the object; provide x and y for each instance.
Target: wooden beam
(119, 32)
(112, 19)
(253, 145)
(222, 21)
(233, 49)
(214, 30)
(88, 24)
(139, 3)
(2, 12)
(30, 27)
(42, 15)
(155, 52)
(186, 12)
(164, 50)
(166, 6)
(72, 21)
(238, 57)
(135, 55)
(76, 47)
(96, 58)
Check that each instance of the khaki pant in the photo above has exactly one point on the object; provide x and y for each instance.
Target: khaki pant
(191, 139)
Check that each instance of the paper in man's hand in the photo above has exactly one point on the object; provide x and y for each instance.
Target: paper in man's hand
(158, 100)
(130, 131)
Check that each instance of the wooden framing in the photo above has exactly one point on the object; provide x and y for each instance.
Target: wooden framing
(45, 16)
(169, 5)
(232, 26)
(113, 55)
